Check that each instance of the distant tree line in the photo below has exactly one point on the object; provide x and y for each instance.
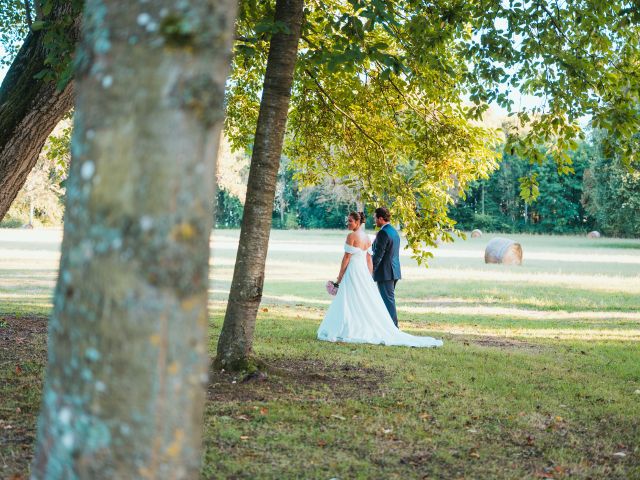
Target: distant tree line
(495, 204)
(602, 194)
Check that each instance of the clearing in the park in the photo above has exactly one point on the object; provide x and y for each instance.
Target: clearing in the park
(539, 376)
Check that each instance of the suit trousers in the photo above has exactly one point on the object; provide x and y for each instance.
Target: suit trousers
(387, 292)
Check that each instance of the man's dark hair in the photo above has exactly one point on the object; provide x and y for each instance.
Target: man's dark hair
(383, 213)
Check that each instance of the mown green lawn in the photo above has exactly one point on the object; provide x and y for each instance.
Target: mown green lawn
(539, 376)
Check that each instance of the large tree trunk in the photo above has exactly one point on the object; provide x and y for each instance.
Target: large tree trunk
(29, 109)
(124, 390)
(236, 338)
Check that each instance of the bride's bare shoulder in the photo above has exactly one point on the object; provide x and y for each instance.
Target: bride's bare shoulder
(351, 238)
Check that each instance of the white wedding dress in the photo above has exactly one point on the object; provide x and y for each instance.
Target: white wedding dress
(358, 314)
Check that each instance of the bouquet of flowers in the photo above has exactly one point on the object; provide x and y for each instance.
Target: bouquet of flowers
(332, 288)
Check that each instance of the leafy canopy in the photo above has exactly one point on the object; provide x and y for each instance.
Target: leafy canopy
(366, 111)
(382, 89)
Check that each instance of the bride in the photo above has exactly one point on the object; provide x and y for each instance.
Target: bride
(357, 313)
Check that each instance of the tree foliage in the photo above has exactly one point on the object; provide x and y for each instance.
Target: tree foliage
(41, 196)
(18, 18)
(496, 204)
(580, 57)
(613, 192)
(14, 26)
(381, 89)
(366, 112)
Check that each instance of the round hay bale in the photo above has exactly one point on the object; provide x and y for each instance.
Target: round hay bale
(476, 233)
(503, 250)
(593, 234)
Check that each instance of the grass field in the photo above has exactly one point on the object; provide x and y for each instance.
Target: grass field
(539, 376)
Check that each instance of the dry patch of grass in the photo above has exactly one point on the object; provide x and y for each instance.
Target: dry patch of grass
(302, 379)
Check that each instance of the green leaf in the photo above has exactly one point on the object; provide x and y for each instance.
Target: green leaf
(47, 6)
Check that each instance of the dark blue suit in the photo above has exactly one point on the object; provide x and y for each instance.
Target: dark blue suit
(386, 266)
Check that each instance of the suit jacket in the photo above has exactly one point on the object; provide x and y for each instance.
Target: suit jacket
(386, 255)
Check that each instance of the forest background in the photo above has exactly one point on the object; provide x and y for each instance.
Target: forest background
(602, 194)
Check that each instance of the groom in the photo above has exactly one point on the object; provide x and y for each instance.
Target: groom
(386, 260)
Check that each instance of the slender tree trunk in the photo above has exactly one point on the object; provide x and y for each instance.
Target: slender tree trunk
(282, 204)
(236, 338)
(29, 110)
(124, 394)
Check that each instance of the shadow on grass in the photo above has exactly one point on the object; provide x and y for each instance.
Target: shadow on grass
(480, 408)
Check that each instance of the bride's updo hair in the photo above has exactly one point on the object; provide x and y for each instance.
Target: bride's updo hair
(357, 216)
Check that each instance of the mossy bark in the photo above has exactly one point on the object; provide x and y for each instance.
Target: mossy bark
(30, 108)
(124, 390)
(236, 338)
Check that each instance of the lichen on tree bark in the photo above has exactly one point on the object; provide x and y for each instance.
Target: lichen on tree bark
(127, 337)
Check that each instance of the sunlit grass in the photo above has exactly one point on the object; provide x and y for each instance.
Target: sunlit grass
(457, 292)
(537, 378)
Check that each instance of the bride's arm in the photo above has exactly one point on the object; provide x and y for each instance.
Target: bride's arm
(369, 263)
(345, 259)
(343, 266)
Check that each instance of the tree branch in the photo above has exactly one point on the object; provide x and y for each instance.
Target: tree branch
(345, 114)
(27, 9)
(431, 113)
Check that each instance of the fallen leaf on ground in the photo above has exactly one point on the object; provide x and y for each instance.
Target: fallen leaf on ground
(541, 474)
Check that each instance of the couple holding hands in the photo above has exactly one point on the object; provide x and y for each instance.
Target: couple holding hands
(364, 309)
